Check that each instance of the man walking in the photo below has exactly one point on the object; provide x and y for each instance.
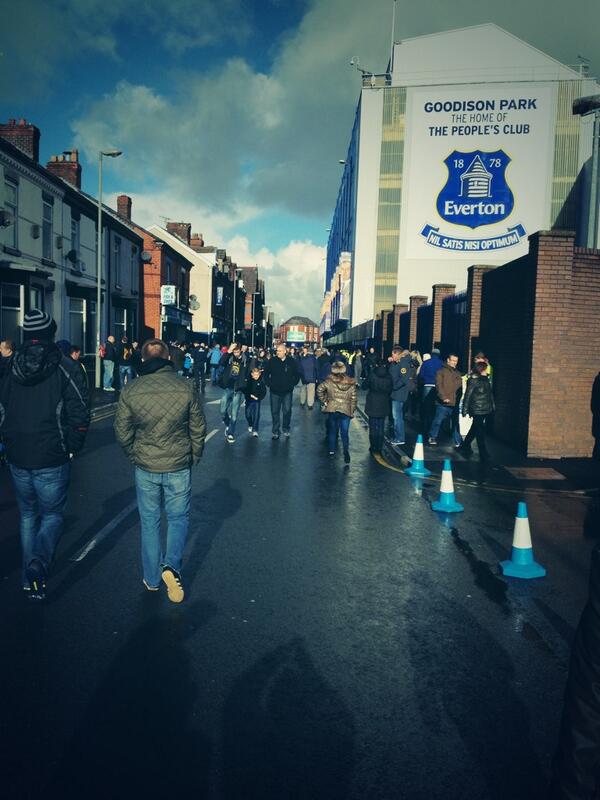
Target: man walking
(199, 366)
(307, 364)
(233, 380)
(108, 361)
(214, 361)
(160, 425)
(44, 418)
(448, 386)
(281, 375)
(399, 371)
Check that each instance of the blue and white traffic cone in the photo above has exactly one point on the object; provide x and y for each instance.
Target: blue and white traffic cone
(521, 563)
(447, 502)
(417, 468)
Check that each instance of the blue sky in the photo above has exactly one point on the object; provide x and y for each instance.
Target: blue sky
(232, 114)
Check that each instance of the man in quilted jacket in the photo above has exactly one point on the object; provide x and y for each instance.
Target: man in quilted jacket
(160, 425)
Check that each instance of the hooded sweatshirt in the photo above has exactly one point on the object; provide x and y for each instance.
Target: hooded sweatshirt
(44, 409)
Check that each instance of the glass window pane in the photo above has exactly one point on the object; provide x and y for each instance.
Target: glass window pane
(9, 324)
(10, 295)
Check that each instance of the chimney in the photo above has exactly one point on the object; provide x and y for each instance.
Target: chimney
(124, 206)
(196, 241)
(22, 135)
(182, 230)
(66, 167)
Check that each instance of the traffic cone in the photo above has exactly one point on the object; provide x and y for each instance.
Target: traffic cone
(417, 468)
(447, 503)
(521, 563)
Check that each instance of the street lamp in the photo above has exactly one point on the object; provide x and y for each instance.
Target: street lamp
(254, 294)
(585, 106)
(101, 154)
(235, 288)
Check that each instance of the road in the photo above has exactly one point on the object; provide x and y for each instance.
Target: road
(338, 639)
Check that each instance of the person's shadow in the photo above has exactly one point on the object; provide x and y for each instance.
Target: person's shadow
(286, 732)
(137, 738)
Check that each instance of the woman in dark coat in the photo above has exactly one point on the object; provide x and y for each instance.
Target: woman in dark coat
(378, 405)
(478, 403)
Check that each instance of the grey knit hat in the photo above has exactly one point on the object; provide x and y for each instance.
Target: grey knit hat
(38, 325)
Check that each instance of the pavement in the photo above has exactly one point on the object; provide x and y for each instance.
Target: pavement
(338, 640)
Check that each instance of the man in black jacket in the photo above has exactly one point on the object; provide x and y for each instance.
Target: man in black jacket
(281, 375)
(108, 362)
(233, 381)
(199, 358)
(44, 418)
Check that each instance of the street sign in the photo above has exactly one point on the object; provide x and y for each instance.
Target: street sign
(168, 295)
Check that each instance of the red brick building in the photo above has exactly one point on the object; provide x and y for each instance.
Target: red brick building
(161, 266)
(299, 330)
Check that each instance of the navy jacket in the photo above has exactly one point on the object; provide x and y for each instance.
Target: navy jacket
(400, 373)
(308, 368)
(429, 369)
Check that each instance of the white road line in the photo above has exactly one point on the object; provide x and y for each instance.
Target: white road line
(110, 526)
(105, 531)
(211, 402)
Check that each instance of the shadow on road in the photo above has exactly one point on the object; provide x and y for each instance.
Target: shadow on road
(463, 674)
(287, 732)
(137, 737)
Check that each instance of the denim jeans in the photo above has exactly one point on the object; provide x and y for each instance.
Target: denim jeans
(442, 413)
(230, 408)
(338, 422)
(398, 415)
(176, 488)
(41, 497)
(213, 373)
(281, 405)
(109, 369)
(125, 375)
(376, 433)
(307, 394)
(253, 414)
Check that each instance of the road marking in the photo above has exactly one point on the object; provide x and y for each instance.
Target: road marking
(211, 402)
(381, 460)
(211, 434)
(105, 531)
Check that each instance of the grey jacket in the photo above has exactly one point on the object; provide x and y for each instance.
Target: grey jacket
(160, 423)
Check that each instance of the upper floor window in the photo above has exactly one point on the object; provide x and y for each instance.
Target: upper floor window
(117, 260)
(133, 266)
(47, 250)
(75, 239)
(11, 205)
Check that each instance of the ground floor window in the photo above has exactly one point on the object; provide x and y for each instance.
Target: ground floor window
(120, 323)
(36, 298)
(11, 310)
(77, 321)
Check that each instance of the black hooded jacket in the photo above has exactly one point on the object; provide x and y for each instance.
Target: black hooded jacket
(378, 403)
(44, 409)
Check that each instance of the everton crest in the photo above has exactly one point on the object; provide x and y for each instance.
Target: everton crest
(476, 192)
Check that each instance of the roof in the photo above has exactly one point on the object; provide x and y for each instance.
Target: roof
(299, 321)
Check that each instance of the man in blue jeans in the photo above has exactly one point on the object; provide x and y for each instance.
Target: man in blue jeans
(160, 425)
(44, 418)
(448, 387)
(400, 372)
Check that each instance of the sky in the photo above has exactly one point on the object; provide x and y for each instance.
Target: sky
(233, 114)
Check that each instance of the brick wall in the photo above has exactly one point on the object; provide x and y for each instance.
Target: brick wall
(394, 323)
(540, 327)
(439, 292)
(416, 301)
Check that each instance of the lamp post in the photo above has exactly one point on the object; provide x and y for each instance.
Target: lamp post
(101, 154)
(254, 294)
(235, 288)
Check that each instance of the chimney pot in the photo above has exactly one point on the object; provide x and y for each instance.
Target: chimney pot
(63, 167)
(22, 135)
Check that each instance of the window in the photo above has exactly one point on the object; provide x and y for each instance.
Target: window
(11, 205)
(10, 310)
(77, 321)
(131, 327)
(117, 260)
(75, 235)
(90, 342)
(120, 323)
(169, 272)
(133, 267)
(47, 249)
(36, 298)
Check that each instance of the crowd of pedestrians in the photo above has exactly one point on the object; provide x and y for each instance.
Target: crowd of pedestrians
(45, 412)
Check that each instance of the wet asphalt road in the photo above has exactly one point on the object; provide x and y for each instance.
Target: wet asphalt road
(338, 639)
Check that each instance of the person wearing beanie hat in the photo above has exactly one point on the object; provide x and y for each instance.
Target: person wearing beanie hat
(41, 441)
